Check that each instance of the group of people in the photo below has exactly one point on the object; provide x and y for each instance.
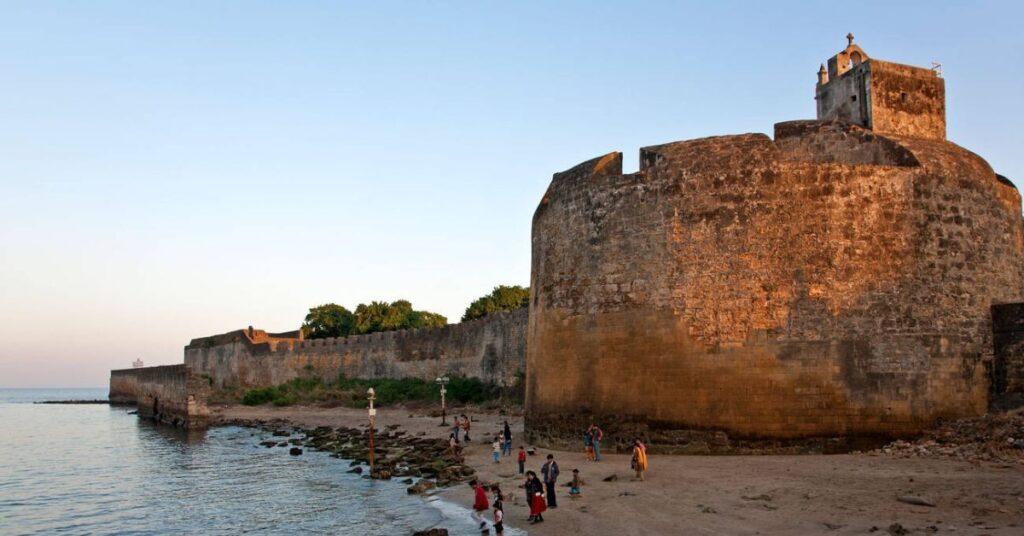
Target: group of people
(462, 424)
(480, 506)
(503, 443)
(540, 489)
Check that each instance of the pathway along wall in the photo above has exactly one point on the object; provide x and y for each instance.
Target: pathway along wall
(492, 348)
(832, 282)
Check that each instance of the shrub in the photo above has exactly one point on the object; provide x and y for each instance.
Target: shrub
(285, 399)
(259, 396)
(472, 390)
(303, 384)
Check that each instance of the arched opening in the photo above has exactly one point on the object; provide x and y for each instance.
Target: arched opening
(855, 59)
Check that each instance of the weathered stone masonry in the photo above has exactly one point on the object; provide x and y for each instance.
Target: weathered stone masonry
(170, 394)
(1008, 363)
(834, 281)
(492, 348)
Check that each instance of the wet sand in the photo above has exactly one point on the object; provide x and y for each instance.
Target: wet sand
(736, 495)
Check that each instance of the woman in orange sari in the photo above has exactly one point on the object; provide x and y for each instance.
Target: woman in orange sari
(639, 462)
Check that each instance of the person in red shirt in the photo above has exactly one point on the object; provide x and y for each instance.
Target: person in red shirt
(480, 505)
(522, 460)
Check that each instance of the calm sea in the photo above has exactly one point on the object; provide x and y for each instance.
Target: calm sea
(94, 469)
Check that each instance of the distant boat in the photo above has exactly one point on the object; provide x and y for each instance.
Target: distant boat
(137, 363)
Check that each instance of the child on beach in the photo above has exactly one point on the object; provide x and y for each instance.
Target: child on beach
(588, 445)
(576, 484)
(522, 460)
(499, 510)
(497, 449)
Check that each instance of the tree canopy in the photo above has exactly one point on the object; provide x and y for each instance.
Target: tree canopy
(502, 298)
(328, 320)
(332, 320)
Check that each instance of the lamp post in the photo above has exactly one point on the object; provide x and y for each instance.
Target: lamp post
(371, 396)
(442, 381)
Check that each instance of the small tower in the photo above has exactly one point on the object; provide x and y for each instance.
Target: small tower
(889, 98)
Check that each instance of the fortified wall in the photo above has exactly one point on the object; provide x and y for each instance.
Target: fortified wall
(492, 348)
(835, 280)
(170, 394)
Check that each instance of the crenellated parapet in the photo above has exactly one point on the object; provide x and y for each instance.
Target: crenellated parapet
(833, 281)
(492, 348)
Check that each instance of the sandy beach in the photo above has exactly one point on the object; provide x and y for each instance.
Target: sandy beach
(810, 494)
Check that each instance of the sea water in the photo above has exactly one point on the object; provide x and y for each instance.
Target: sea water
(96, 469)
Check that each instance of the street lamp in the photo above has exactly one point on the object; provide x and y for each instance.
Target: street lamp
(442, 381)
(371, 396)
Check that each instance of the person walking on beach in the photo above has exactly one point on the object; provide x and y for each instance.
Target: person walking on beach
(639, 461)
(507, 432)
(535, 497)
(588, 445)
(499, 510)
(455, 428)
(522, 459)
(497, 449)
(596, 435)
(465, 428)
(550, 472)
(479, 505)
(453, 444)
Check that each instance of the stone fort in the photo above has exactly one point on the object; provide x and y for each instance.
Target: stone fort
(835, 280)
(855, 275)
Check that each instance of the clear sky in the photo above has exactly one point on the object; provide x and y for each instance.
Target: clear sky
(170, 170)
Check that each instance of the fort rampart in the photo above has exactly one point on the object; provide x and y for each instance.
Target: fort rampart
(829, 282)
(492, 348)
(170, 394)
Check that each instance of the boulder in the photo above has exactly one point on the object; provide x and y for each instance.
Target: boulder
(295, 451)
(420, 487)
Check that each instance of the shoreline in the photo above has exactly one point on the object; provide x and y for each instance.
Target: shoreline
(760, 494)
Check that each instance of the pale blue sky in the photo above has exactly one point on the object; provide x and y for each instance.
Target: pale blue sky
(177, 169)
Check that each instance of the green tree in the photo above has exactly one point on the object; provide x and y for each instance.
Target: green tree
(328, 320)
(502, 298)
(383, 316)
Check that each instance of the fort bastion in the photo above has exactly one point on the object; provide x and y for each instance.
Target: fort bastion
(856, 275)
(835, 280)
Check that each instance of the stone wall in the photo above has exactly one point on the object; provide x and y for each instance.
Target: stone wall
(1008, 363)
(889, 98)
(492, 348)
(907, 100)
(832, 282)
(169, 394)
